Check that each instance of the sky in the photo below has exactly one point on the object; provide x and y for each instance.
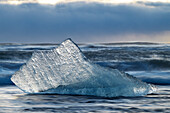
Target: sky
(85, 21)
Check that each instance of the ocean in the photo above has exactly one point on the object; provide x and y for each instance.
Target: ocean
(150, 62)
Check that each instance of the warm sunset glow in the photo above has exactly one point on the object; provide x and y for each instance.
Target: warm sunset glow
(54, 2)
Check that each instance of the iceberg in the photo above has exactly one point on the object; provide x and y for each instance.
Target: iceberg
(65, 70)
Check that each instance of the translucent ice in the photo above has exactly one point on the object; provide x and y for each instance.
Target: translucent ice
(65, 70)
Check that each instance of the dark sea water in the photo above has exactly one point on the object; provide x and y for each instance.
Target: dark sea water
(149, 62)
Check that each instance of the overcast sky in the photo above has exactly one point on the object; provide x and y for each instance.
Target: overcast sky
(37, 21)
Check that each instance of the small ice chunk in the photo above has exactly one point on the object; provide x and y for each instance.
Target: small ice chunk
(65, 70)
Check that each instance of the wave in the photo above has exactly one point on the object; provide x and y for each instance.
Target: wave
(15, 55)
(5, 80)
(156, 80)
(10, 65)
(146, 65)
(153, 77)
(129, 43)
(6, 71)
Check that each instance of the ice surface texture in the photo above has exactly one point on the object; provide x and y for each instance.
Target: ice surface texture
(65, 70)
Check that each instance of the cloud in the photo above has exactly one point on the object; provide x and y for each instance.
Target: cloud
(54, 2)
(84, 22)
(155, 4)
